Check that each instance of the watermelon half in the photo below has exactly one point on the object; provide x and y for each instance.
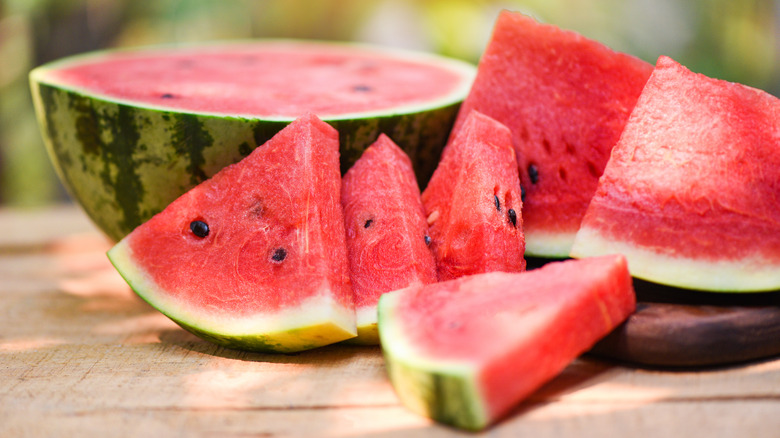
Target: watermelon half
(566, 99)
(253, 258)
(473, 203)
(130, 130)
(691, 194)
(465, 351)
(386, 231)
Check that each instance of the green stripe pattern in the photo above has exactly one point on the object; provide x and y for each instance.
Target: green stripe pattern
(124, 163)
(444, 390)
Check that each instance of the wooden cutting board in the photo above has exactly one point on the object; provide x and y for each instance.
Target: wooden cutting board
(681, 328)
(673, 327)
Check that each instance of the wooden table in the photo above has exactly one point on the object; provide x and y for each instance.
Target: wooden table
(81, 355)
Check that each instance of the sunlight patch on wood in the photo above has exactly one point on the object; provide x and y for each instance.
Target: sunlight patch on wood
(27, 344)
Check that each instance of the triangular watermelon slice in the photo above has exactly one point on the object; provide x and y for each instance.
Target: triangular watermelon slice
(465, 351)
(253, 258)
(386, 231)
(691, 194)
(473, 203)
(566, 99)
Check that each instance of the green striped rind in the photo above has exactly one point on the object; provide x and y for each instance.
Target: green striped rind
(442, 390)
(124, 163)
(315, 323)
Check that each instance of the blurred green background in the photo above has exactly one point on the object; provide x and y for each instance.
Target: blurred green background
(736, 40)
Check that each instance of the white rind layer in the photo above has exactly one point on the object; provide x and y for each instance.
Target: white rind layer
(319, 310)
(547, 244)
(745, 275)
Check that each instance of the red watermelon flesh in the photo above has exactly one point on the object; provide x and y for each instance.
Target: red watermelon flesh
(253, 258)
(473, 203)
(691, 194)
(566, 99)
(464, 352)
(330, 80)
(386, 230)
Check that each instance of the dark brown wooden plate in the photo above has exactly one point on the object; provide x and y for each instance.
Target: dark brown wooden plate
(682, 328)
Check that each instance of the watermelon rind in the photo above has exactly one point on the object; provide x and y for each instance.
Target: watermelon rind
(319, 321)
(689, 194)
(124, 161)
(445, 391)
(367, 330)
(549, 245)
(750, 274)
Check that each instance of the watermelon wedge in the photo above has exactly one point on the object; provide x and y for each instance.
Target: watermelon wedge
(566, 99)
(465, 351)
(473, 203)
(130, 130)
(386, 231)
(691, 194)
(253, 258)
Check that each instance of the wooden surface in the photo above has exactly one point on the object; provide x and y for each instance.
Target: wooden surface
(80, 355)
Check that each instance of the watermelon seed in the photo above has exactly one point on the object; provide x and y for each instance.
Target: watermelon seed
(427, 240)
(533, 173)
(279, 255)
(433, 217)
(562, 173)
(570, 149)
(167, 96)
(522, 193)
(512, 217)
(524, 133)
(498, 203)
(368, 223)
(199, 228)
(362, 88)
(593, 169)
(546, 145)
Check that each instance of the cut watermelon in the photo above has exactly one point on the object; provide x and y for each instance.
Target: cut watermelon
(465, 351)
(691, 194)
(255, 257)
(473, 203)
(566, 99)
(386, 231)
(129, 131)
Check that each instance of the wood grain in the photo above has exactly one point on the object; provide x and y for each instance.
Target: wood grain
(81, 355)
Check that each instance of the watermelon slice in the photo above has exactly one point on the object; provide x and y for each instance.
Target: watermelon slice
(691, 194)
(473, 203)
(255, 257)
(386, 231)
(465, 351)
(566, 99)
(130, 130)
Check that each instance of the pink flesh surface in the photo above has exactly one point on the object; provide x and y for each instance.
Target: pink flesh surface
(232, 270)
(519, 330)
(566, 99)
(695, 173)
(385, 224)
(271, 80)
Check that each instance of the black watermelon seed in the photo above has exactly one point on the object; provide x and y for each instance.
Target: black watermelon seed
(368, 223)
(362, 88)
(199, 228)
(279, 255)
(498, 203)
(428, 240)
(522, 193)
(512, 217)
(167, 96)
(533, 173)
